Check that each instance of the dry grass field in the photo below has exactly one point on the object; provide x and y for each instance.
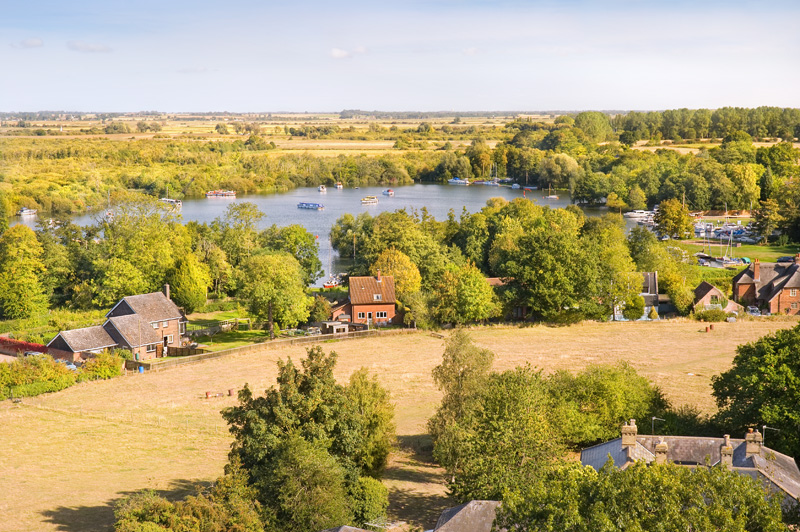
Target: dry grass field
(67, 456)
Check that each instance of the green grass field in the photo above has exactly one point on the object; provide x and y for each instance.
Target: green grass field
(68, 456)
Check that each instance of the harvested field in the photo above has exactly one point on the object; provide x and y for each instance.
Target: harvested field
(67, 456)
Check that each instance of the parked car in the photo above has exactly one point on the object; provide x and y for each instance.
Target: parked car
(753, 311)
(32, 353)
(785, 259)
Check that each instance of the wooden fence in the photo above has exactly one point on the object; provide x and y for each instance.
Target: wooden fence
(158, 365)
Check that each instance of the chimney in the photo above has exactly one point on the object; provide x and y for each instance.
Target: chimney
(753, 441)
(756, 270)
(166, 290)
(661, 452)
(629, 434)
(726, 453)
(797, 259)
(379, 276)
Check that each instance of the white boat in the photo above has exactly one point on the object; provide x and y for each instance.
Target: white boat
(221, 194)
(323, 188)
(388, 192)
(550, 195)
(515, 186)
(369, 200)
(309, 205)
(637, 214)
(339, 185)
(25, 211)
(176, 204)
(457, 181)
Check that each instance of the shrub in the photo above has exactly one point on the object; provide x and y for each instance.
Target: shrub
(653, 315)
(711, 315)
(370, 498)
(30, 376)
(102, 366)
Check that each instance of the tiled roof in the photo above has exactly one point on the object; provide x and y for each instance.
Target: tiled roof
(135, 330)
(703, 289)
(152, 307)
(474, 516)
(773, 277)
(364, 289)
(87, 339)
(650, 283)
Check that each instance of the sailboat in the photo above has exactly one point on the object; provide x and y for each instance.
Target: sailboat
(550, 194)
(333, 280)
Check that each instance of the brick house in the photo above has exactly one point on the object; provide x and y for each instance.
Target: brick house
(145, 324)
(709, 297)
(772, 286)
(371, 301)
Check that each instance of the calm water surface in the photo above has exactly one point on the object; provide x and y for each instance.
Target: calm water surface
(281, 209)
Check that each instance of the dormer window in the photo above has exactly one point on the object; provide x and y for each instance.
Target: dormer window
(377, 297)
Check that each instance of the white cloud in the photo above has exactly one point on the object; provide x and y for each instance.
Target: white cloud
(29, 43)
(89, 48)
(338, 53)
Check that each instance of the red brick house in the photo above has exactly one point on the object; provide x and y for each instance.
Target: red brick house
(372, 301)
(145, 324)
(709, 297)
(772, 286)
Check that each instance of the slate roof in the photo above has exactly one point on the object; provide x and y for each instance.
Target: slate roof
(778, 468)
(86, 339)
(773, 277)
(152, 307)
(650, 283)
(363, 290)
(474, 516)
(132, 330)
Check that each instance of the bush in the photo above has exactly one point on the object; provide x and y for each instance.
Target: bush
(34, 375)
(370, 498)
(102, 366)
(711, 315)
(653, 315)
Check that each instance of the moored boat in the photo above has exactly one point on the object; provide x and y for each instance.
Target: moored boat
(369, 200)
(25, 211)
(310, 205)
(515, 186)
(221, 194)
(323, 188)
(333, 282)
(176, 204)
(339, 185)
(388, 192)
(457, 181)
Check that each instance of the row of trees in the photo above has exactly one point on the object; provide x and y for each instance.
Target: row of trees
(307, 455)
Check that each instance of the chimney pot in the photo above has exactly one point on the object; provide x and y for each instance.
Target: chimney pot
(753, 442)
(166, 290)
(629, 433)
(661, 452)
(726, 452)
(379, 276)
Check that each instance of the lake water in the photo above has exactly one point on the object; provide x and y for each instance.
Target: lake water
(281, 209)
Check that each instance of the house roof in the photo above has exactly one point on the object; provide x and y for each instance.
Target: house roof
(86, 339)
(474, 516)
(703, 289)
(364, 289)
(152, 307)
(649, 283)
(345, 528)
(779, 468)
(135, 330)
(495, 281)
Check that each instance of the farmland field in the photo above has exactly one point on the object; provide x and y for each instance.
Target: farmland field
(67, 456)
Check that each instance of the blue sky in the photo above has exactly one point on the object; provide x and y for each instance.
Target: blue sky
(238, 55)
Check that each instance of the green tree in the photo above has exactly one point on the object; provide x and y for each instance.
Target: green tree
(222, 129)
(273, 288)
(320, 309)
(407, 279)
(298, 242)
(463, 295)
(116, 278)
(763, 388)
(374, 416)
(634, 307)
(4, 214)
(636, 198)
(595, 125)
(237, 231)
(673, 218)
(662, 497)
(22, 293)
(190, 281)
(558, 171)
(461, 376)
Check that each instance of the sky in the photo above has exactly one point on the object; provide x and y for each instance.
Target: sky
(402, 55)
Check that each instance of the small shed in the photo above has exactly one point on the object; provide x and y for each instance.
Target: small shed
(334, 327)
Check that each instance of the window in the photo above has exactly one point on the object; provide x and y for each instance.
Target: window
(155, 325)
(361, 315)
(164, 324)
(151, 348)
(794, 305)
(381, 314)
(169, 339)
(793, 292)
(182, 327)
(377, 297)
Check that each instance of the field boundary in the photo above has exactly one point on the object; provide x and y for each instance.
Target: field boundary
(161, 365)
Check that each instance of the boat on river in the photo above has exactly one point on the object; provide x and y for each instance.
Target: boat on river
(323, 188)
(339, 185)
(175, 204)
(310, 205)
(457, 181)
(221, 194)
(369, 200)
(25, 211)
(388, 192)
